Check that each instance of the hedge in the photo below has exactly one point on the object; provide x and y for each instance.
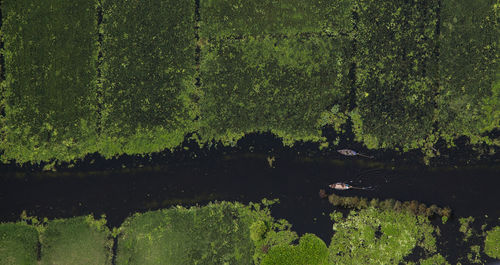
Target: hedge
(469, 100)
(18, 244)
(78, 240)
(224, 18)
(290, 86)
(50, 51)
(148, 72)
(396, 73)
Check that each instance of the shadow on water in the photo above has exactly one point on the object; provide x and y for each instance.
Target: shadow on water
(243, 174)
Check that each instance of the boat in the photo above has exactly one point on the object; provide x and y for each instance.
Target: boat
(349, 152)
(340, 186)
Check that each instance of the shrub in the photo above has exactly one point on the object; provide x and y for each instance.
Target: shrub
(79, 240)
(468, 99)
(214, 234)
(222, 18)
(268, 84)
(492, 243)
(18, 244)
(50, 51)
(395, 73)
(310, 251)
(355, 240)
(148, 72)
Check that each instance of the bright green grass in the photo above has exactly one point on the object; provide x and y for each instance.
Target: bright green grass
(18, 244)
(50, 51)
(214, 234)
(290, 86)
(148, 72)
(311, 250)
(75, 241)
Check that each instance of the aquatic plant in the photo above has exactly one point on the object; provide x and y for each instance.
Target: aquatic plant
(492, 243)
(414, 207)
(373, 236)
(465, 227)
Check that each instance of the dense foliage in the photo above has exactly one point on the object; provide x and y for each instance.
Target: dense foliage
(223, 18)
(311, 250)
(80, 240)
(492, 243)
(50, 51)
(214, 234)
(289, 86)
(373, 236)
(395, 72)
(147, 75)
(468, 99)
(18, 244)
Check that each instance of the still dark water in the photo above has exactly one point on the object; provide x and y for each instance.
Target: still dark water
(246, 176)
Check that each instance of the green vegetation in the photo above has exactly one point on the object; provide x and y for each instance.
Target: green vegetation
(311, 250)
(148, 72)
(18, 244)
(222, 18)
(288, 86)
(413, 207)
(50, 51)
(492, 243)
(215, 234)
(372, 236)
(468, 99)
(79, 240)
(465, 227)
(395, 73)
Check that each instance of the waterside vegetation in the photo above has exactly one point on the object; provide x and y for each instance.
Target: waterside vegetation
(227, 233)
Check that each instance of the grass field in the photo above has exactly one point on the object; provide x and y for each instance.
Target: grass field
(18, 244)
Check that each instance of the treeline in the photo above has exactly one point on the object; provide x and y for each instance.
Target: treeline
(406, 73)
(227, 233)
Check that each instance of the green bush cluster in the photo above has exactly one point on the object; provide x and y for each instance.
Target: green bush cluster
(224, 18)
(148, 69)
(373, 236)
(469, 70)
(413, 207)
(49, 92)
(18, 244)
(311, 250)
(395, 73)
(218, 233)
(287, 86)
(492, 243)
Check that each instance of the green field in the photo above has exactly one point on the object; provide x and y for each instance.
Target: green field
(266, 84)
(50, 100)
(148, 71)
(18, 244)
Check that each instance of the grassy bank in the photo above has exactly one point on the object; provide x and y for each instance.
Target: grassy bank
(233, 233)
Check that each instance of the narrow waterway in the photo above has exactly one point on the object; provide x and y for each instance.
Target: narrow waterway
(246, 176)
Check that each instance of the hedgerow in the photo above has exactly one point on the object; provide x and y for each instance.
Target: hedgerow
(148, 71)
(18, 244)
(50, 51)
(290, 86)
(224, 18)
(396, 73)
(78, 240)
(469, 94)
